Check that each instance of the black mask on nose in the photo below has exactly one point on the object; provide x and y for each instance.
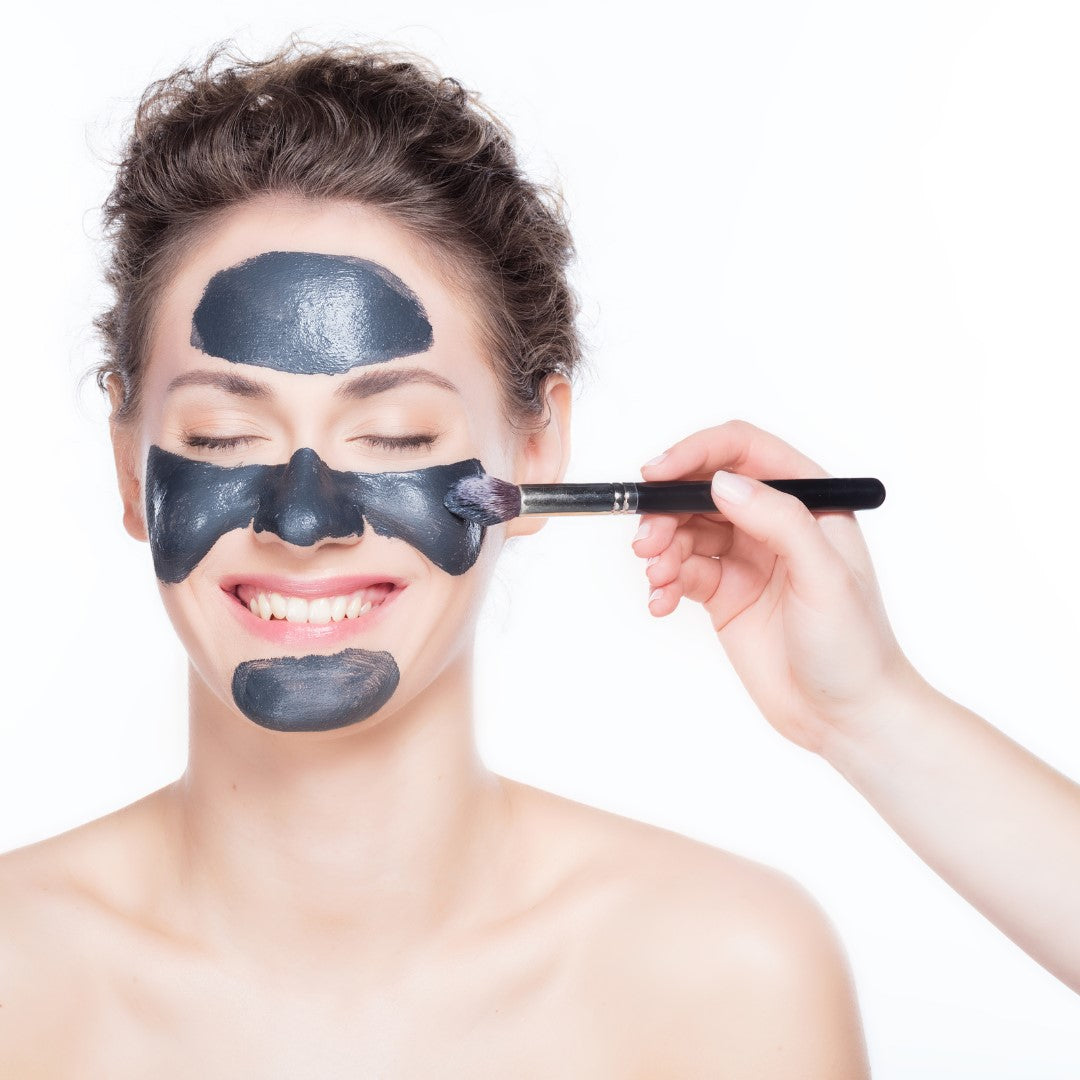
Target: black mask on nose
(302, 504)
(191, 504)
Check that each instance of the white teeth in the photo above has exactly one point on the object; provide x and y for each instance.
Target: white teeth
(318, 611)
(296, 609)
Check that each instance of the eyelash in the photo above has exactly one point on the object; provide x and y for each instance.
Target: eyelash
(403, 442)
(215, 442)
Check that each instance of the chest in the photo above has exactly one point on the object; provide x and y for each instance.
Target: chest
(525, 1014)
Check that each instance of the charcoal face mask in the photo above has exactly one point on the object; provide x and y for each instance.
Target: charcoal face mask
(314, 693)
(191, 504)
(307, 314)
(310, 314)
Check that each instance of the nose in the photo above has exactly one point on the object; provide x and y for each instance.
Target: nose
(302, 504)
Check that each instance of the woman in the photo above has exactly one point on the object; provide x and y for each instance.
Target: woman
(335, 294)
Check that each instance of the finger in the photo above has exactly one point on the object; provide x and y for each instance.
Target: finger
(700, 537)
(654, 533)
(736, 446)
(786, 527)
(708, 535)
(661, 571)
(664, 567)
(698, 578)
(708, 541)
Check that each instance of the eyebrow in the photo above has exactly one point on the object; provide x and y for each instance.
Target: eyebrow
(375, 382)
(363, 386)
(227, 381)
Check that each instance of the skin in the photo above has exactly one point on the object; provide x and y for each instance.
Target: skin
(372, 899)
(795, 603)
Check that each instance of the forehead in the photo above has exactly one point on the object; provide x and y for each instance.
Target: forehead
(361, 273)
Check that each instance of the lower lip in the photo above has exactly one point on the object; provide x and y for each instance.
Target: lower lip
(283, 632)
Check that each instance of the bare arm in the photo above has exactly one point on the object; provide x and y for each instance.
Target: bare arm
(997, 823)
(795, 603)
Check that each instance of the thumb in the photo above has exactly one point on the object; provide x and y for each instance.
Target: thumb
(784, 525)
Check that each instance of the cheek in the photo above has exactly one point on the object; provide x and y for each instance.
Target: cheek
(199, 628)
(411, 506)
(190, 505)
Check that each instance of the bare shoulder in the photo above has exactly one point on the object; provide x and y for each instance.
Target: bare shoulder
(727, 966)
(57, 911)
(90, 863)
(35, 984)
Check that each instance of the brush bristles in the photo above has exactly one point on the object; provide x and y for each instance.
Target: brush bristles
(485, 499)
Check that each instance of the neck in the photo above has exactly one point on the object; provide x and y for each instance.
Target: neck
(371, 840)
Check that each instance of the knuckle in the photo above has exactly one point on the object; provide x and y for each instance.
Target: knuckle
(740, 426)
(794, 510)
(792, 516)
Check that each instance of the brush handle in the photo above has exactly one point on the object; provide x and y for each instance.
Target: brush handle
(828, 493)
(691, 496)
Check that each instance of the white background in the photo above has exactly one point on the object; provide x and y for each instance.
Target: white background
(854, 224)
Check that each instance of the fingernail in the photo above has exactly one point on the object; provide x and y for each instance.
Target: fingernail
(643, 530)
(654, 594)
(656, 460)
(649, 562)
(731, 486)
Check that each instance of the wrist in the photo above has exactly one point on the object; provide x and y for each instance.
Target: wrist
(870, 737)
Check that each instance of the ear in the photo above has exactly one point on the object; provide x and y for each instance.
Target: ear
(124, 454)
(542, 458)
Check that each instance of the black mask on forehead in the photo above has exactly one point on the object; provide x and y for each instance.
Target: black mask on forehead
(309, 314)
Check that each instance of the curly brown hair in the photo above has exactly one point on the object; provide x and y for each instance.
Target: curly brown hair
(350, 122)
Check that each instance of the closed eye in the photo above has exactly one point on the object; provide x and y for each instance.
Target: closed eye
(400, 442)
(217, 442)
(229, 442)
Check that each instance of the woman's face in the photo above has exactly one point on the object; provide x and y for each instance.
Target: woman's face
(312, 390)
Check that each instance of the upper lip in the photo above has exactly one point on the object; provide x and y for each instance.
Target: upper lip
(310, 587)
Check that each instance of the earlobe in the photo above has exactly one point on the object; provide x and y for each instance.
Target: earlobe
(127, 474)
(543, 457)
(127, 477)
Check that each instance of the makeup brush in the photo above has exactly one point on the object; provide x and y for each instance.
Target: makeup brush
(488, 500)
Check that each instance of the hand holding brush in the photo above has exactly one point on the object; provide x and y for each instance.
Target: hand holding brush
(794, 601)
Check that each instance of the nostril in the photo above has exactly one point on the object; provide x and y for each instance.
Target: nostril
(302, 504)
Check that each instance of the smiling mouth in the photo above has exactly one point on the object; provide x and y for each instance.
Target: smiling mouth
(271, 606)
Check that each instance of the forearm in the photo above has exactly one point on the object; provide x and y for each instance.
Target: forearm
(998, 824)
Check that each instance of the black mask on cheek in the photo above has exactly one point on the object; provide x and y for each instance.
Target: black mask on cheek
(191, 504)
